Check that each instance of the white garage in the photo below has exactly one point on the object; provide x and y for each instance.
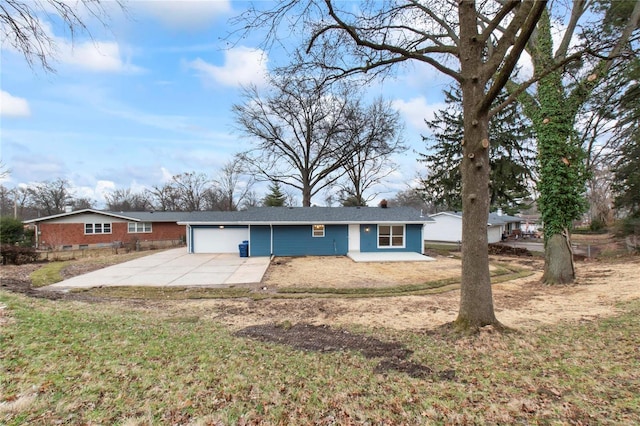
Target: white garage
(217, 239)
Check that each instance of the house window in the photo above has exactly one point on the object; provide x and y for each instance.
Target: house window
(97, 228)
(390, 236)
(318, 230)
(139, 227)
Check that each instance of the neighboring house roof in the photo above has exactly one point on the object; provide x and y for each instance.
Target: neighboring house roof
(495, 219)
(310, 215)
(501, 219)
(266, 215)
(131, 216)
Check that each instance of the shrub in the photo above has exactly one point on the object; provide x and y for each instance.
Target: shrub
(597, 225)
(628, 226)
(11, 230)
(17, 255)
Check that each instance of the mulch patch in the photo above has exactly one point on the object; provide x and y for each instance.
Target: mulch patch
(323, 338)
(504, 250)
(24, 287)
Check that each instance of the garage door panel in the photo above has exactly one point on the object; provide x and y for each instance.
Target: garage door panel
(216, 240)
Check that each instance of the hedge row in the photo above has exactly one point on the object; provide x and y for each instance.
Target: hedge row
(17, 255)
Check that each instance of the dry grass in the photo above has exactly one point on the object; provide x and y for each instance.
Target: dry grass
(113, 363)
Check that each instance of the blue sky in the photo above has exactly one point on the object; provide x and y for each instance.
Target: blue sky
(150, 97)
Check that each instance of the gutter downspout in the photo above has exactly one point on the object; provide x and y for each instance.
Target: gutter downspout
(271, 239)
(189, 239)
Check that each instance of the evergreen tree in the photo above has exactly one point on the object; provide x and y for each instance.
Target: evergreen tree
(510, 155)
(627, 165)
(275, 197)
(11, 230)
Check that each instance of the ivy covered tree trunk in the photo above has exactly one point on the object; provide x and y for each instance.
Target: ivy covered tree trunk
(560, 158)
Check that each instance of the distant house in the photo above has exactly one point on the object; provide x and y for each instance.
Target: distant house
(89, 228)
(307, 231)
(448, 227)
(280, 231)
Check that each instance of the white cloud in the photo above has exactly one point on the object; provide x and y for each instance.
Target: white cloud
(416, 110)
(188, 15)
(13, 106)
(96, 193)
(242, 66)
(95, 56)
(166, 174)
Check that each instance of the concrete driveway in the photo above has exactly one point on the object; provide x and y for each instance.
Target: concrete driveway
(176, 268)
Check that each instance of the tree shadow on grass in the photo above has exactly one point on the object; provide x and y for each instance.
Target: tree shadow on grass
(322, 338)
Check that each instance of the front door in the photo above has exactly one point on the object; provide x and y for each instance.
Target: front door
(354, 237)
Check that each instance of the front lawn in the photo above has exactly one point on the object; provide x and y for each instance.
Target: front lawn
(66, 362)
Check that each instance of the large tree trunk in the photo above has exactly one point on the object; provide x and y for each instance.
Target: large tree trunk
(558, 260)
(306, 196)
(476, 299)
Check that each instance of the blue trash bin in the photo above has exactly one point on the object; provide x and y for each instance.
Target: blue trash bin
(244, 249)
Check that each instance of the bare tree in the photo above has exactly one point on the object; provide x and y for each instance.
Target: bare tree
(190, 189)
(50, 197)
(296, 128)
(233, 185)
(126, 200)
(24, 29)
(82, 203)
(412, 197)
(7, 201)
(22, 204)
(374, 133)
(165, 197)
(476, 44)
(4, 170)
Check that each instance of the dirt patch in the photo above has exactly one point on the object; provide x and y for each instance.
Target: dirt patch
(340, 271)
(523, 303)
(323, 338)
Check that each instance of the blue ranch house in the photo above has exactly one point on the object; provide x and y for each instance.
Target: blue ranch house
(307, 231)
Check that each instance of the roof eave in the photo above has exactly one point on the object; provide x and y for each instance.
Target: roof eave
(76, 212)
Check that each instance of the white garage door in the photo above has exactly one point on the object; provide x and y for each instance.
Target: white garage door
(216, 240)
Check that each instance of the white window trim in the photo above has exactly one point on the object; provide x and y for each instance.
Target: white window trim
(313, 231)
(391, 246)
(93, 228)
(139, 225)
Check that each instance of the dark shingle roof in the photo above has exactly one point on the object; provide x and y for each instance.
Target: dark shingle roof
(293, 215)
(269, 215)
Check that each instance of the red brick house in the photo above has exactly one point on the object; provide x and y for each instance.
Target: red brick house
(91, 228)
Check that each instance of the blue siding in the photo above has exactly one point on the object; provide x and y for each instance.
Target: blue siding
(369, 240)
(260, 240)
(296, 240)
(414, 238)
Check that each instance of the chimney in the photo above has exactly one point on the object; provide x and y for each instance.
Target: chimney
(383, 204)
(68, 208)
(499, 212)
